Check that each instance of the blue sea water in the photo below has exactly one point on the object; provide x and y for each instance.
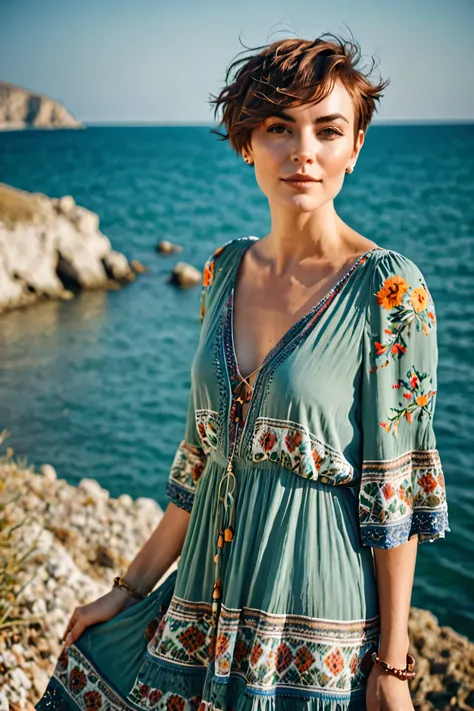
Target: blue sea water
(98, 386)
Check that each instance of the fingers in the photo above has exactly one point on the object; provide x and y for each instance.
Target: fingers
(74, 629)
(75, 633)
(70, 625)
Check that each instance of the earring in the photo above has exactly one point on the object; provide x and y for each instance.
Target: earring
(350, 169)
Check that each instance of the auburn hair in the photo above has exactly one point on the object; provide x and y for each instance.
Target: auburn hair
(289, 73)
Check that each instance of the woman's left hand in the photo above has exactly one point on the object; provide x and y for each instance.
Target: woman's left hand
(387, 693)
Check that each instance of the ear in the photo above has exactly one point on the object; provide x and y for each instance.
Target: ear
(247, 155)
(357, 148)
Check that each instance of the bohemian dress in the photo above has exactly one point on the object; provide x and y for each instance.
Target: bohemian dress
(273, 605)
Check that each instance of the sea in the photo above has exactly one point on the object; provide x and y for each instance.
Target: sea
(98, 386)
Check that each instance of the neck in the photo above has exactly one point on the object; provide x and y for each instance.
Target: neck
(295, 237)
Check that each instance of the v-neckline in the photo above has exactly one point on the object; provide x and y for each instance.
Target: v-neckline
(294, 328)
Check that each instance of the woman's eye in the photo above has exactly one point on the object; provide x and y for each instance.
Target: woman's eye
(332, 130)
(276, 125)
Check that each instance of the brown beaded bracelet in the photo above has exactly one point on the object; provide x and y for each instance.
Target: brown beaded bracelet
(121, 583)
(407, 673)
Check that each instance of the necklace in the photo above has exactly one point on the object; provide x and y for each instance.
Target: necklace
(227, 529)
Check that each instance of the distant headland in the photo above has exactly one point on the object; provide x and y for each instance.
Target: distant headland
(24, 109)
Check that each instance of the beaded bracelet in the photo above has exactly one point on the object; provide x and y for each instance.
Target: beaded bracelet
(407, 673)
(121, 583)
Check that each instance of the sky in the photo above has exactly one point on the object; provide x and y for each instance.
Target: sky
(159, 61)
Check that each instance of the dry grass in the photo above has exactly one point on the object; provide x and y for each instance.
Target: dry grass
(14, 551)
(19, 206)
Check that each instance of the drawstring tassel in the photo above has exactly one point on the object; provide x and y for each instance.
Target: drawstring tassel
(216, 592)
(220, 540)
(229, 531)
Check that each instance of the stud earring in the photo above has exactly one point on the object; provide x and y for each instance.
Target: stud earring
(350, 169)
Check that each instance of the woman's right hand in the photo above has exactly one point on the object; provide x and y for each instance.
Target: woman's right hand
(101, 610)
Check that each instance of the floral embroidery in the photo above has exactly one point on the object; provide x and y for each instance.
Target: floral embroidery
(293, 446)
(75, 676)
(407, 309)
(208, 276)
(419, 400)
(270, 651)
(185, 472)
(403, 496)
(207, 423)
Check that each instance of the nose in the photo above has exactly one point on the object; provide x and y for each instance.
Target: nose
(304, 149)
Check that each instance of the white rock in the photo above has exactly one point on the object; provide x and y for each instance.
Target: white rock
(185, 275)
(86, 221)
(4, 705)
(49, 472)
(66, 204)
(93, 489)
(8, 659)
(167, 247)
(39, 606)
(118, 264)
(43, 241)
(125, 500)
(20, 679)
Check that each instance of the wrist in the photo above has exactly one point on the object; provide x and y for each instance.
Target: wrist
(394, 651)
(122, 598)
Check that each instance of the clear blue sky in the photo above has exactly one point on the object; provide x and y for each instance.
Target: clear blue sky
(159, 60)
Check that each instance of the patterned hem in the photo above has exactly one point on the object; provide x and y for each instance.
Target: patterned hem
(185, 472)
(403, 496)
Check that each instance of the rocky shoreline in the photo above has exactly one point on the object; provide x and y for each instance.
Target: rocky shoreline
(79, 537)
(51, 248)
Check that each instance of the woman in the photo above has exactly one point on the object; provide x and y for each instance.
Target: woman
(308, 470)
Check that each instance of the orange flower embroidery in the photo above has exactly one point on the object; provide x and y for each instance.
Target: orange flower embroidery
(388, 490)
(293, 440)
(380, 348)
(419, 299)
(208, 273)
(391, 294)
(423, 400)
(428, 483)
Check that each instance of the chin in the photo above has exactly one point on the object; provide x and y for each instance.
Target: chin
(300, 203)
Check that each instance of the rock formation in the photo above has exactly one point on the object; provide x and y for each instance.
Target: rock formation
(51, 247)
(21, 108)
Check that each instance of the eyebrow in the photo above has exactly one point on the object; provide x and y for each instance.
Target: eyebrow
(319, 119)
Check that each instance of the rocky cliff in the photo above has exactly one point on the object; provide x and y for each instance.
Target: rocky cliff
(21, 108)
(52, 248)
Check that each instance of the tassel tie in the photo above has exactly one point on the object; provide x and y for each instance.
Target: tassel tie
(226, 530)
(226, 495)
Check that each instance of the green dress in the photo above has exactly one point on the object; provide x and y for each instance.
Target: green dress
(274, 606)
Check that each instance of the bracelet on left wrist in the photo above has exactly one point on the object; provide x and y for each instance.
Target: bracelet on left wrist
(407, 673)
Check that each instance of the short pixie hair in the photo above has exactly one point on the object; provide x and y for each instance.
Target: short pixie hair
(292, 72)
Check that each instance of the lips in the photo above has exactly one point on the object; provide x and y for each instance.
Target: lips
(300, 179)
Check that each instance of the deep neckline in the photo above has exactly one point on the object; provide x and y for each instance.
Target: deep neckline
(287, 336)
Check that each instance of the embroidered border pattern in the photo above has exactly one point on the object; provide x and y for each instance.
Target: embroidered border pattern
(77, 680)
(403, 496)
(208, 426)
(294, 447)
(186, 469)
(267, 650)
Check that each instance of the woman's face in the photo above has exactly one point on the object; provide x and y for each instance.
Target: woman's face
(315, 140)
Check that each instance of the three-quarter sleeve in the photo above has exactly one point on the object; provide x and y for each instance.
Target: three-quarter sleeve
(190, 459)
(402, 488)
